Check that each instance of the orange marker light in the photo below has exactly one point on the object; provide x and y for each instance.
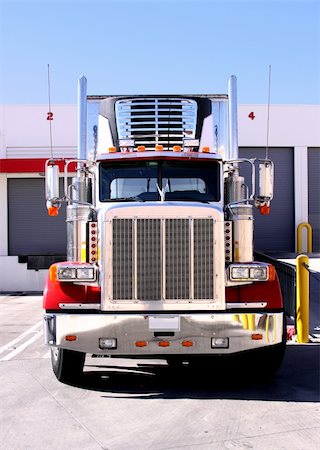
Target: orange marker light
(187, 343)
(264, 210)
(159, 148)
(112, 150)
(164, 344)
(141, 344)
(141, 148)
(53, 211)
(256, 337)
(205, 149)
(70, 338)
(53, 272)
(272, 273)
(177, 148)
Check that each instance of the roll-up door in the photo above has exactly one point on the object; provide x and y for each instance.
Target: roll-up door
(314, 195)
(31, 230)
(275, 232)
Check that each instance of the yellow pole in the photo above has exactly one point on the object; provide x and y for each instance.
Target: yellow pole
(302, 299)
(244, 320)
(251, 322)
(309, 237)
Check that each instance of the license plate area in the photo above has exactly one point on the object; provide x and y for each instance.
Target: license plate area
(164, 323)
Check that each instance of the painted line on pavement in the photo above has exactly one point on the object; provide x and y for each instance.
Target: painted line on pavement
(21, 347)
(10, 344)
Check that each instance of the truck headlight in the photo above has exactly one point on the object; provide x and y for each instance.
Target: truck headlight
(66, 273)
(259, 273)
(239, 273)
(85, 273)
(250, 272)
(75, 272)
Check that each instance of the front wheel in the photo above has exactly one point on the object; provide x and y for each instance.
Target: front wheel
(67, 365)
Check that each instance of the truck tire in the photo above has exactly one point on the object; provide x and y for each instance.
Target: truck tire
(67, 365)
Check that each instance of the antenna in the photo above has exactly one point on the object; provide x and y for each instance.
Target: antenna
(50, 114)
(268, 114)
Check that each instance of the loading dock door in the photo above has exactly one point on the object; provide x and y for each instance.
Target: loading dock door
(31, 230)
(314, 195)
(275, 232)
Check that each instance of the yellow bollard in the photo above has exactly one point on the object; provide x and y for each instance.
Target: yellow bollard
(251, 322)
(302, 293)
(244, 321)
(309, 237)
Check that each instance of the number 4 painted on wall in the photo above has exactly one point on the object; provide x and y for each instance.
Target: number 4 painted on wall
(251, 115)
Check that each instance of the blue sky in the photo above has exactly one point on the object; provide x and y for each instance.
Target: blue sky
(142, 47)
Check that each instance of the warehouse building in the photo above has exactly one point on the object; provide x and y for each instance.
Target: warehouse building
(30, 240)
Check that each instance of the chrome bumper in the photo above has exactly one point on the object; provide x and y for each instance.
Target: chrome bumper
(244, 332)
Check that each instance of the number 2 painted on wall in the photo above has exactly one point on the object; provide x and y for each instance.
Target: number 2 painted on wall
(49, 116)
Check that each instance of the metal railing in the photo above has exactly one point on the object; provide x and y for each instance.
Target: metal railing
(287, 278)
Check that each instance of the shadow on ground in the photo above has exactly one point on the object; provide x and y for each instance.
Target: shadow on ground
(297, 380)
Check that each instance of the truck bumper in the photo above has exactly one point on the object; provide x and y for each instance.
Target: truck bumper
(141, 334)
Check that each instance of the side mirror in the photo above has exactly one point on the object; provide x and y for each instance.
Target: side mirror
(52, 189)
(266, 180)
(265, 194)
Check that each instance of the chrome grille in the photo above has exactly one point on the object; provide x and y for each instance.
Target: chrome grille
(163, 259)
(156, 121)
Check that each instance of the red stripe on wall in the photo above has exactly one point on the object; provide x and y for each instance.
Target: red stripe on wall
(36, 165)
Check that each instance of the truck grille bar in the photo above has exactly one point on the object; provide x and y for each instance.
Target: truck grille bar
(163, 259)
(156, 121)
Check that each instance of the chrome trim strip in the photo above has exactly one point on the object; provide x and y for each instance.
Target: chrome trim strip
(79, 305)
(245, 305)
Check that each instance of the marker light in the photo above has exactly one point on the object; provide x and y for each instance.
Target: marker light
(177, 148)
(256, 337)
(141, 344)
(112, 150)
(53, 211)
(187, 343)
(70, 338)
(159, 148)
(264, 210)
(205, 149)
(108, 343)
(141, 148)
(164, 344)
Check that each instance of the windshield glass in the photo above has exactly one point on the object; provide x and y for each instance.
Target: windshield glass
(143, 180)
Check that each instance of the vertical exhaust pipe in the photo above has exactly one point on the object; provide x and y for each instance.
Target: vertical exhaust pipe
(82, 118)
(233, 118)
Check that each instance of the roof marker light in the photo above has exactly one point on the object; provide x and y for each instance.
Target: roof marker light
(112, 150)
(177, 148)
(159, 148)
(205, 149)
(141, 148)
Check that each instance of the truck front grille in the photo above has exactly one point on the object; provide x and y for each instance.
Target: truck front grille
(163, 259)
(156, 121)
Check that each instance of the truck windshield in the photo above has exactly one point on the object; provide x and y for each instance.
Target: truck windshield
(142, 181)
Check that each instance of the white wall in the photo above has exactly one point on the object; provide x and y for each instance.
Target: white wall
(290, 126)
(25, 131)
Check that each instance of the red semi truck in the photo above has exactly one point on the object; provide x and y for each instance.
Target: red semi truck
(160, 237)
